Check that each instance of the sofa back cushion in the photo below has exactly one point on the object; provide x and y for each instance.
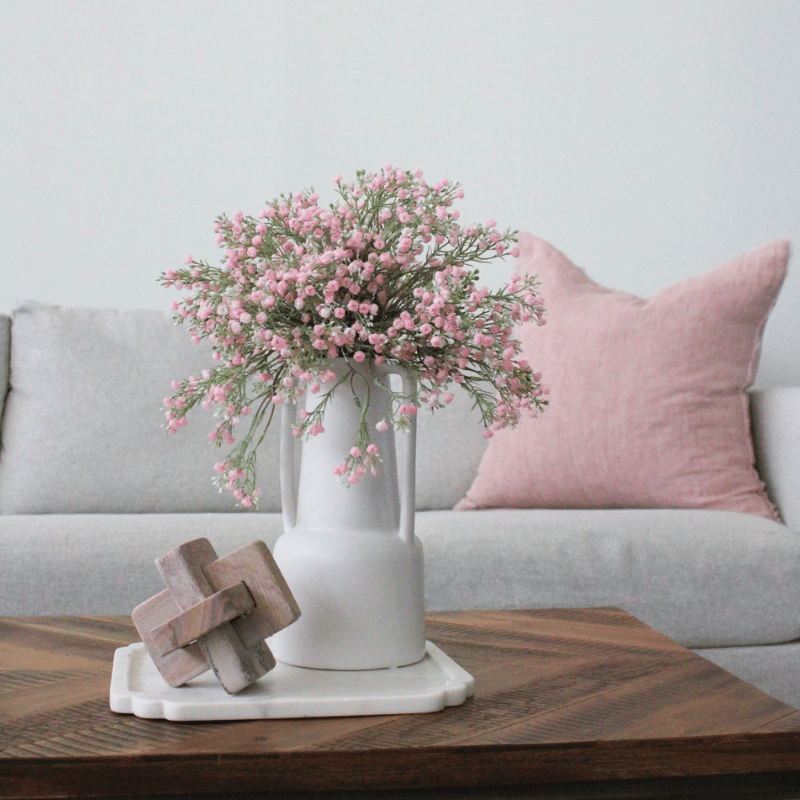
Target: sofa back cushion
(776, 436)
(83, 424)
(450, 445)
(83, 428)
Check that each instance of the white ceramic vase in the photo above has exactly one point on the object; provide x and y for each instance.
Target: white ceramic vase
(349, 554)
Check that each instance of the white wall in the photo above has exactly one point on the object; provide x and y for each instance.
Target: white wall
(648, 139)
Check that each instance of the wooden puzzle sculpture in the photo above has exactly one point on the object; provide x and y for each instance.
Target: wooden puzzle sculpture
(215, 614)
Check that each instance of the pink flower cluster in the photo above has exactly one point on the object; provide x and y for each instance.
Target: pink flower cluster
(386, 273)
(358, 463)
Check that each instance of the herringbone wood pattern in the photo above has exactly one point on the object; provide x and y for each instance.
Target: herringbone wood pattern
(562, 695)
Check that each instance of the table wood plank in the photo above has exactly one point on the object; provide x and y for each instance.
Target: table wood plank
(562, 695)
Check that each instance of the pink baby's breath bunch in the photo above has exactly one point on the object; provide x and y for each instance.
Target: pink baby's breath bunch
(385, 273)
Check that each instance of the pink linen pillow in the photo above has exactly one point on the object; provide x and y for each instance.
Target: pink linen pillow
(648, 406)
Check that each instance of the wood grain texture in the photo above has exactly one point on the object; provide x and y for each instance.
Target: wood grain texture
(561, 696)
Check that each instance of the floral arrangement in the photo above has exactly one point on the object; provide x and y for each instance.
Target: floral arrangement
(385, 273)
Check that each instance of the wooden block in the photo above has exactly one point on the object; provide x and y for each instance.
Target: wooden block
(235, 665)
(216, 613)
(176, 668)
(202, 618)
(275, 606)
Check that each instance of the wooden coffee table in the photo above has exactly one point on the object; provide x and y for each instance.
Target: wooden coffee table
(580, 698)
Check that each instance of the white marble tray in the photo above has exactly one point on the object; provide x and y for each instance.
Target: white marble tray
(288, 692)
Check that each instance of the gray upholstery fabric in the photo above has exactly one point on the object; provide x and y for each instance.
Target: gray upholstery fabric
(84, 425)
(704, 578)
(776, 436)
(105, 563)
(5, 352)
(83, 428)
(773, 669)
(450, 444)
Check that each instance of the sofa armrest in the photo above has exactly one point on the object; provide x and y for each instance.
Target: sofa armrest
(776, 437)
(5, 358)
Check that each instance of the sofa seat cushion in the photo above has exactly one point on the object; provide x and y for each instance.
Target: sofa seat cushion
(771, 668)
(704, 578)
(105, 563)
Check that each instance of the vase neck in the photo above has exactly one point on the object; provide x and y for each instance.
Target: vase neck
(371, 504)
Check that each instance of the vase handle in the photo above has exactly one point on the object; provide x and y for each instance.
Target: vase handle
(288, 489)
(408, 461)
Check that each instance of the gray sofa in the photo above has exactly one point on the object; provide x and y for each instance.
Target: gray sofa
(91, 492)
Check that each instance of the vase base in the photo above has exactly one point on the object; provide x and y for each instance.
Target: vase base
(289, 692)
